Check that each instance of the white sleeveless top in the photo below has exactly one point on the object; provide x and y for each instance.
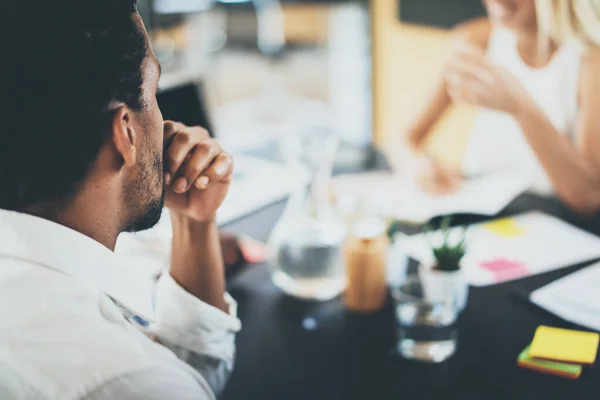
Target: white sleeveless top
(497, 141)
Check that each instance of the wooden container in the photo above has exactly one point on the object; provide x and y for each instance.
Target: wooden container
(365, 254)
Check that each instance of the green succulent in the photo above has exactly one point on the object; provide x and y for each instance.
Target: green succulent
(448, 255)
(394, 227)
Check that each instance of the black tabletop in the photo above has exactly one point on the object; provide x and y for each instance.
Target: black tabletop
(292, 349)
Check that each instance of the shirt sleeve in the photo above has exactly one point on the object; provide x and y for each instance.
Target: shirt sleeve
(198, 333)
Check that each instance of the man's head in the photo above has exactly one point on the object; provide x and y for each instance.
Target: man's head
(78, 109)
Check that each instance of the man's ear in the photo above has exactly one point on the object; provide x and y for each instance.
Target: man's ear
(124, 135)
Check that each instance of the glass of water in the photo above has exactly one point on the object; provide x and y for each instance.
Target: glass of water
(427, 329)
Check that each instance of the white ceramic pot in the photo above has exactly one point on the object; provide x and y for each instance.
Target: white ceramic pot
(397, 264)
(442, 285)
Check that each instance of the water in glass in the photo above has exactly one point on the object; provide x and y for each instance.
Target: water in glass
(427, 330)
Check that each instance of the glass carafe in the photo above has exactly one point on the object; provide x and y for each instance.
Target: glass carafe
(305, 248)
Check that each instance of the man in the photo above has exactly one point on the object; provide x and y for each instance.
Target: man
(82, 144)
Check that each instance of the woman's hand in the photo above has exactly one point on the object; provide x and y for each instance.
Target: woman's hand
(406, 159)
(435, 179)
(474, 80)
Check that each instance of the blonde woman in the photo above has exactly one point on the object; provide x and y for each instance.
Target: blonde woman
(538, 94)
(566, 20)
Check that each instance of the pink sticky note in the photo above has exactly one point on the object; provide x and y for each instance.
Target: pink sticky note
(253, 251)
(500, 264)
(510, 274)
(504, 269)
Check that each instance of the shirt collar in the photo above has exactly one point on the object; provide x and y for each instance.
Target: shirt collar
(59, 248)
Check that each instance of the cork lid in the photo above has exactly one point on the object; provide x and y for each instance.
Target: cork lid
(368, 229)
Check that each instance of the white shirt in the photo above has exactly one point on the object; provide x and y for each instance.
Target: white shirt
(68, 312)
(497, 141)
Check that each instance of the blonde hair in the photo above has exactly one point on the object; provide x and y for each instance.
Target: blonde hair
(563, 20)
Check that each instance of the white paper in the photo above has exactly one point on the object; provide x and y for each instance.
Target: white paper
(546, 243)
(258, 183)
(574, 298)
(487, 195)
(181, 6)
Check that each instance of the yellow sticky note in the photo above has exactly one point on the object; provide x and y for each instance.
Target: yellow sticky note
(564, 345)
(507, 227)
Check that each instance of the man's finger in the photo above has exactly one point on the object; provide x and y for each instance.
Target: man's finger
(204, 154)
(180, 147)
(220, 170)
(170, 128)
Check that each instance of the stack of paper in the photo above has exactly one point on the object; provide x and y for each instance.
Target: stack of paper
(575, 298)
(486, 195)
(513, 248)
(561, 352)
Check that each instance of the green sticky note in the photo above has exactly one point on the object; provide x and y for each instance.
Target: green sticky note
(570, 371)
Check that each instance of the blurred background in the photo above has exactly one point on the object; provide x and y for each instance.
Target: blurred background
(259, 66)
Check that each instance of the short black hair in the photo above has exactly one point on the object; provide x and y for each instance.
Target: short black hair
(63, 62)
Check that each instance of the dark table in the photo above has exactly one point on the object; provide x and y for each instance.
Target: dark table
(347, 356)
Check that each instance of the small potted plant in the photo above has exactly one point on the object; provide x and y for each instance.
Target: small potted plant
(445, 279)
(397, 260)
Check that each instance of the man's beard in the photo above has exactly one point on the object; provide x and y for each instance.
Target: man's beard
(142, 193)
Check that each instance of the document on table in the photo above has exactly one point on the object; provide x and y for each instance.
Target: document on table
(512, 248)
(258, 183)
(574, 298)
(486, 195)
